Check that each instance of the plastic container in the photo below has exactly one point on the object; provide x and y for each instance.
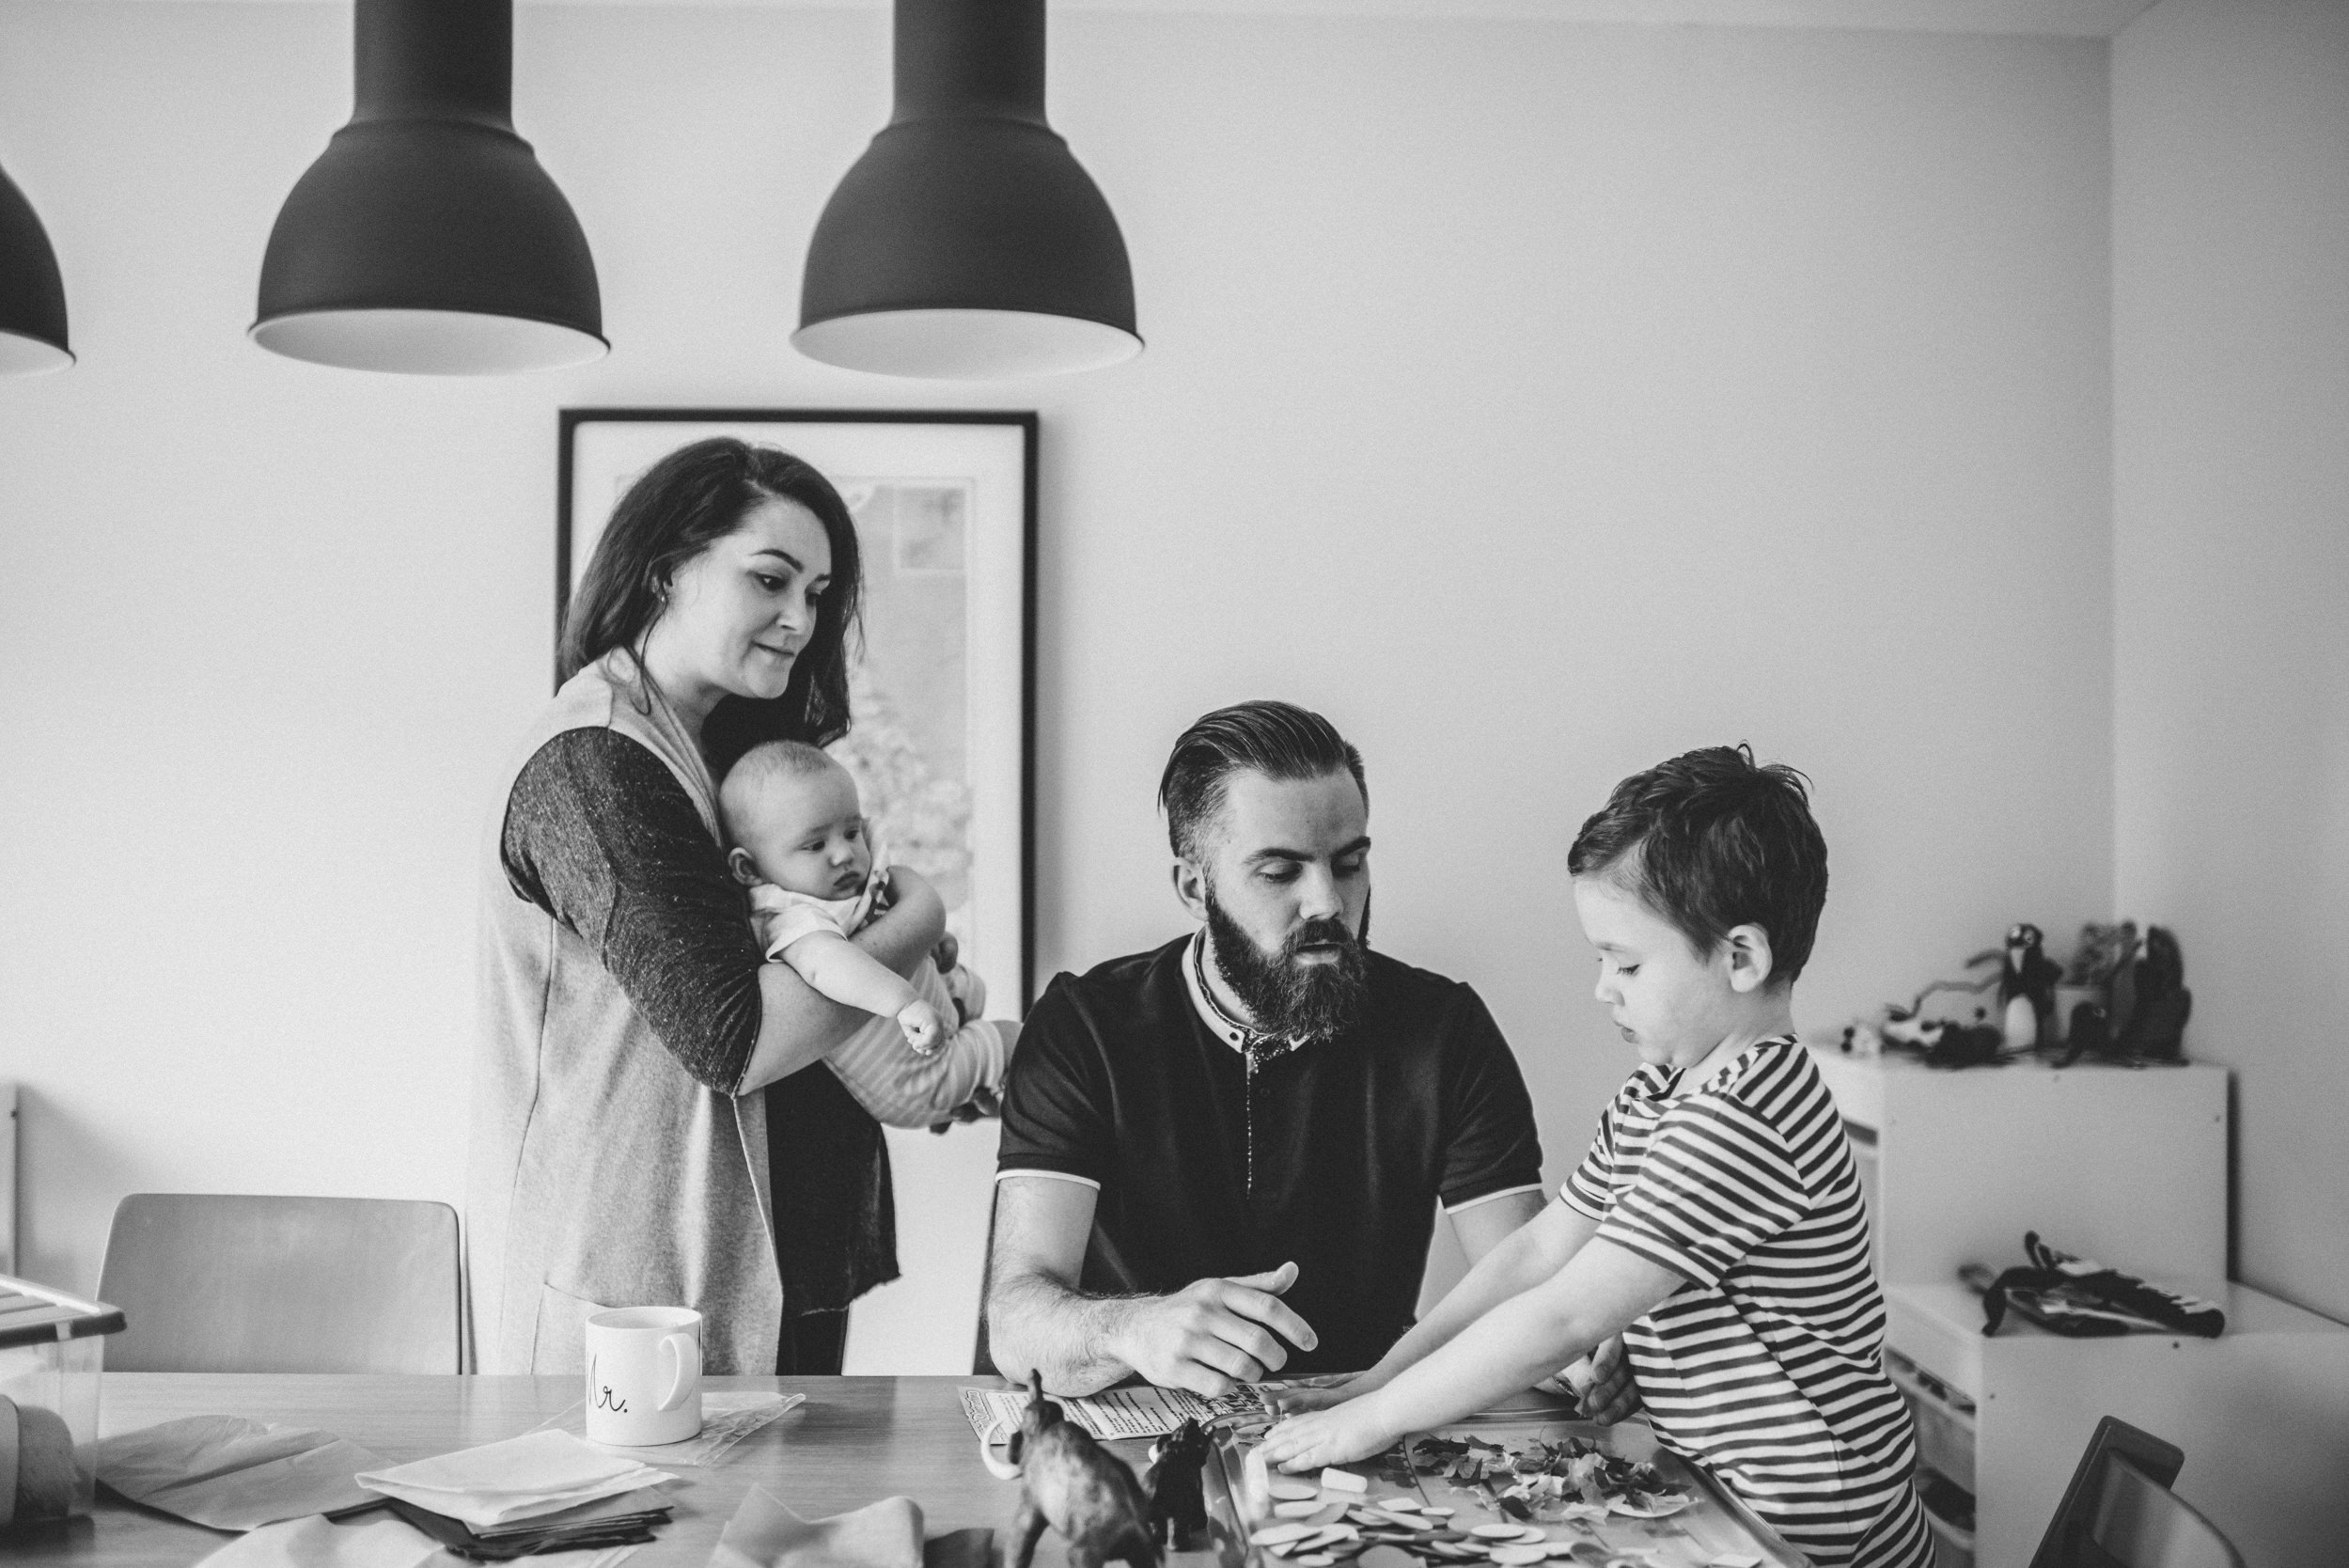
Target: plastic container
(52, 1351)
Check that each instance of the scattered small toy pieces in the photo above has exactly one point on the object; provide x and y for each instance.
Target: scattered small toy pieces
(1549, 1482)
(1343, 1480)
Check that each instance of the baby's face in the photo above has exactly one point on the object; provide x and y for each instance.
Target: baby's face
(807, 835)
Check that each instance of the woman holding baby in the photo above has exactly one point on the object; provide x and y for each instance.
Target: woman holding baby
(640, 1104)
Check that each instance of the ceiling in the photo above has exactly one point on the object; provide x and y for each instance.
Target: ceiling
(2060, 18)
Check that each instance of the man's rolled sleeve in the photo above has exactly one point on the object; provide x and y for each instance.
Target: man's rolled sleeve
(1716, 1182)
(1493, 1147)
(1054, 1117)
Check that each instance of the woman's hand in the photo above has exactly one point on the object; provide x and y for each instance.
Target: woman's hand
(1337, 1436)
(915, 907)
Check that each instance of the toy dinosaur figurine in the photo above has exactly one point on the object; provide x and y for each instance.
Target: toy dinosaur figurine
(1070, 1482)
(1178, 1500)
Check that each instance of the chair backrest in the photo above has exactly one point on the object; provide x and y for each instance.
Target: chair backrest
(213, 1282)
(2119, 1512)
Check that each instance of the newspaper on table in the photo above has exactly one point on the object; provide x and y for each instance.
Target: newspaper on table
(1137, 1412)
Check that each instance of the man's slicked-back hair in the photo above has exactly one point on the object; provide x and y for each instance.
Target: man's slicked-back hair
(1278, 740)
(1711, 840)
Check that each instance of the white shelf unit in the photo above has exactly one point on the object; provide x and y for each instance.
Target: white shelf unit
(2127, 1166)
(2262, 1413)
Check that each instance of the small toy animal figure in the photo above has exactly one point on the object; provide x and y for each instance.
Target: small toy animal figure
(1178, 1499)
(2156, 1026)
(2031, 974)
(1079, 1488)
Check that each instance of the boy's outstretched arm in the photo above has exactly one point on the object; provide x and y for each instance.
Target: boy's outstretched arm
(846, 973)
(1602, 1291)
(1517, 1263)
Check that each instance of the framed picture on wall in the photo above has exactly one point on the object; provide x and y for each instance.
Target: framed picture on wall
(942, 692)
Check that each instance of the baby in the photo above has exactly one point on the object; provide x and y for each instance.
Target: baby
(799, 844)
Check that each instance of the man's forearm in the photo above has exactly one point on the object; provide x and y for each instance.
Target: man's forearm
(1037, 1325)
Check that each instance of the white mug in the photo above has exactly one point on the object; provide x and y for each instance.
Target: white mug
(644, 1375)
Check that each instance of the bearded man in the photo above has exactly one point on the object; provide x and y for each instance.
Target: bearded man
(1222, 1159)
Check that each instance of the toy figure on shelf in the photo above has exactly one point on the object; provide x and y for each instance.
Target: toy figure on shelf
(2027, 986)
(2155, 1031)
(1070, 1482)
(2143, 1016)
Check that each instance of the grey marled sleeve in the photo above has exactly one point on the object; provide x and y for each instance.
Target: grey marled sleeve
(600, 835)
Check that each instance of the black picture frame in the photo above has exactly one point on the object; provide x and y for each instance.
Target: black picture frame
(595, 445)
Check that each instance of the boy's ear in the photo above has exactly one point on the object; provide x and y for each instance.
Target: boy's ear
(745, 871)
(1190, 885)
(1751, 961)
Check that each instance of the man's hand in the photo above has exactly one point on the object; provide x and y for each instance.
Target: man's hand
(1336, 1436)
(1611, 1395)
(1215, 1333)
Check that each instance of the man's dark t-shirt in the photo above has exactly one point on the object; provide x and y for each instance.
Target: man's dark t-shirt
(1211, 1162)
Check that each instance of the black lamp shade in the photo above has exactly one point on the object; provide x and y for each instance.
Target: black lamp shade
(968, 241)
(32, 295)
(427, 238)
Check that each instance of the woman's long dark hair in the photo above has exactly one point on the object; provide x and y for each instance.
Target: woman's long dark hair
(695, 494)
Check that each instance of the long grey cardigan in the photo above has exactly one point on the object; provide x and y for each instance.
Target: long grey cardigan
(602, 1174)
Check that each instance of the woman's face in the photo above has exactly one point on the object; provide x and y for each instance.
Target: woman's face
(739, 613)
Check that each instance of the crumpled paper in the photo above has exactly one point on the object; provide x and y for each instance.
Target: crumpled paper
(230, 1473)
(765, 1533)
(521, 1478)
(379, 1543)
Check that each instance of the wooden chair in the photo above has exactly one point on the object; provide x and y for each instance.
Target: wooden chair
(222, 1283)
(2119, 1512)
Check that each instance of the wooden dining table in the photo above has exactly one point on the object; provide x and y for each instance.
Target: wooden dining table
(855, 1441)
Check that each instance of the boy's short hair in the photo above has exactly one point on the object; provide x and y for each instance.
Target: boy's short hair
(762, 765)
(1710, 840)
(1278, 740)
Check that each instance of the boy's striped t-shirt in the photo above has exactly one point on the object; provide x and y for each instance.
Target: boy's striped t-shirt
(1766, 1366)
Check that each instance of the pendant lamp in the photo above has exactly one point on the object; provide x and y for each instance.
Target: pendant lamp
(427, 238)
(967, 242)
(32, 295)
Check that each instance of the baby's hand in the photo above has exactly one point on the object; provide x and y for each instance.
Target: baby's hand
(923, 1029)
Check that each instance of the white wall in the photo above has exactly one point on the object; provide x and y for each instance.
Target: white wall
(2231, 325)
(1537, 399)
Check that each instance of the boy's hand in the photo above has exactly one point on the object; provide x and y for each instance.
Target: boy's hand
(1337, 1436)
(1304, 1400)
(923, 1029)
(945, 954)
(1611, 1395)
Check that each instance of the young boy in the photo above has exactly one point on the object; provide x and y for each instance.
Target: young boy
(799, 844)
(1716, 1222)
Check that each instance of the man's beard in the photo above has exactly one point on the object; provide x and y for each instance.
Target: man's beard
(1287, 998)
